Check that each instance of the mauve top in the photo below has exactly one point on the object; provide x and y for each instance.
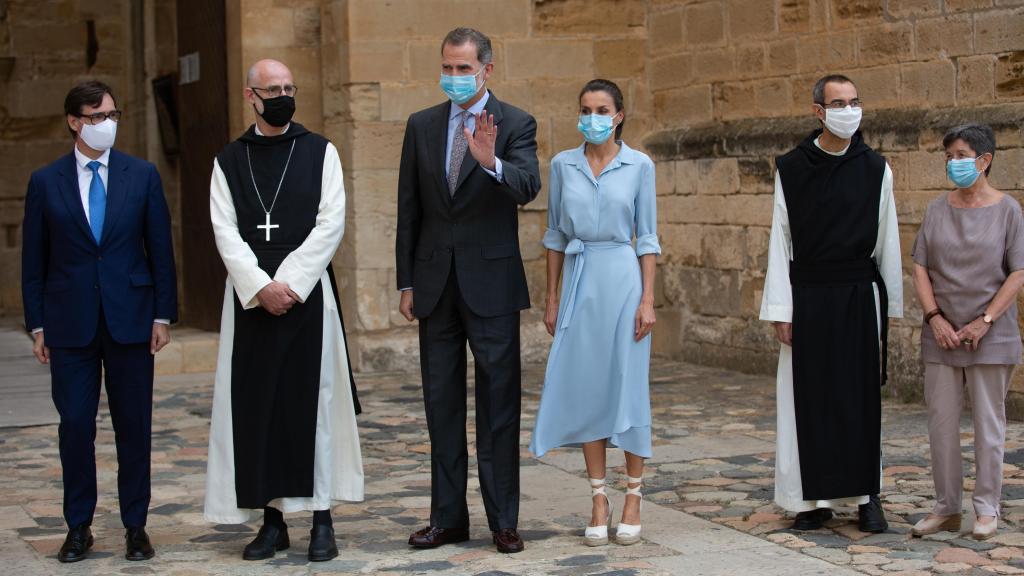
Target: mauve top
(969, 253)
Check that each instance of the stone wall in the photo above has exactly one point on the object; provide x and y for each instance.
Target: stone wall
(714, 89)
(731, 83)
(44, 49)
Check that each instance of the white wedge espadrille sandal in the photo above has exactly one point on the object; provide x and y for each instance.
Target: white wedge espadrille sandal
(598, 535)
(628, 534)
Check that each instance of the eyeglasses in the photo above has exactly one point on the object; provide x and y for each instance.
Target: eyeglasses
(98, 117)
(840, 104)
(275, 91)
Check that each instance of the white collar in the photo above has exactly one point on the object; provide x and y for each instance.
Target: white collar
(83, 161)
(258, 133)
(840, 153)
(475, 109)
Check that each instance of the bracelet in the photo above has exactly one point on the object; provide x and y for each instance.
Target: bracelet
(937, 312)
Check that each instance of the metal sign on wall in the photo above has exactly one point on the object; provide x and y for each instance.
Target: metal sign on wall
(188, 68)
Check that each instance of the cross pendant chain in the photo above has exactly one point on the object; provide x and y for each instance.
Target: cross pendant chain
(268, 226)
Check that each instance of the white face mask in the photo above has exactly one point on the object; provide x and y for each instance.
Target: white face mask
(99, 136)
(843, 122)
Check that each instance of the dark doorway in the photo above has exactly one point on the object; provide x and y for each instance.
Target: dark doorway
(203, 115)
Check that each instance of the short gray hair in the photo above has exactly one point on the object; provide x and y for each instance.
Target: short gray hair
(979, 137)
(819, 87)
(460, 36)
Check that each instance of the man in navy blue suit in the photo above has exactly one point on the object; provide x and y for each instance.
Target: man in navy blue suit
(99, 289)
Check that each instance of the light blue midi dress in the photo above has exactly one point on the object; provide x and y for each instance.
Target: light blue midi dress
(596, 383)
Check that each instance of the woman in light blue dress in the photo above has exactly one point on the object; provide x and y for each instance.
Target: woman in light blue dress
(601, 197)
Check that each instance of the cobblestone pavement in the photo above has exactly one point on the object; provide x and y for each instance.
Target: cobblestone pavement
(709, 491)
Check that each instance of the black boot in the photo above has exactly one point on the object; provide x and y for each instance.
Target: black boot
(76, 545)
(272, 537)
(322, 546)
(871, 516)
(812, 519)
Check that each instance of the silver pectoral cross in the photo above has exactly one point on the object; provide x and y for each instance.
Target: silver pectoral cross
(268, 226)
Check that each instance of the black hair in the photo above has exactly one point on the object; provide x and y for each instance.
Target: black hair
(979, 137)
(612, 89)
(819, 87)
(88, 93)
(460, 36)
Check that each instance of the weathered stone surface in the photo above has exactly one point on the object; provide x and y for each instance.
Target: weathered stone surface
(714, 90)
(587, 16)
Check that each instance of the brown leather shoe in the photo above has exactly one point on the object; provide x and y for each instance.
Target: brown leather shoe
(433, 536)
(508, 541)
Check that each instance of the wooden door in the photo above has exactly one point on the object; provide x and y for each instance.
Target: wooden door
(203, 114)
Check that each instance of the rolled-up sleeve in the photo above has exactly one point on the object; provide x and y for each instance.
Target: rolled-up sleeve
(554, 238)
(646, 211)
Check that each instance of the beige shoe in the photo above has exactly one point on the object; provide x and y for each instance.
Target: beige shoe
(987, 530)
(932, 524)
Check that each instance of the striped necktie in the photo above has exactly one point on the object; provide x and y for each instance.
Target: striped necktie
(97, 201)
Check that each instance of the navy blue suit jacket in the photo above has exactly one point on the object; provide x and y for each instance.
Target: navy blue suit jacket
(67, 279)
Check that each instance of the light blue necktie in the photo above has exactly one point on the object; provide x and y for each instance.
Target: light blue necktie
(97, 201)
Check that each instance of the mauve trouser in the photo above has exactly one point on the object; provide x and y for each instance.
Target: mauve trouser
(943, 390)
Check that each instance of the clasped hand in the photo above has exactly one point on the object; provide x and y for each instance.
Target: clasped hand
(948, 338)
(277, 298)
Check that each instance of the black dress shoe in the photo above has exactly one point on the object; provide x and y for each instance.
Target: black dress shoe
(322, 546)
(432, 536)
(270, 540)
(76, 545)
(871, 516)
(508, 541)
(137, 546)
(812, 519)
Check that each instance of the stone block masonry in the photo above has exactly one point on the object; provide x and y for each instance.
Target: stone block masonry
(714, 90)
(732, 89)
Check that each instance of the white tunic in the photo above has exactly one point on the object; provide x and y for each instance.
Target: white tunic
(777, 306)
(338, 467)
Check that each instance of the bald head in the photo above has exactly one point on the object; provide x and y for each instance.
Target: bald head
(268, 72)
(269, 84)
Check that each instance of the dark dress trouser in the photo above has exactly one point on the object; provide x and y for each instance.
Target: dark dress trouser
(76, 374)
(494, 342)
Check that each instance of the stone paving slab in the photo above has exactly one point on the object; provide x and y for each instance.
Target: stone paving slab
(24, 382)
(708, 507)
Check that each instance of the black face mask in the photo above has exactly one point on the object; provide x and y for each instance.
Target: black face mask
(277, 111)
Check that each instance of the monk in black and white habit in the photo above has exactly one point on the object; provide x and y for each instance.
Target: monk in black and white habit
(834, 277)
(283, 434)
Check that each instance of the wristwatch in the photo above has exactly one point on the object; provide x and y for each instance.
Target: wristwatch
(987, 319)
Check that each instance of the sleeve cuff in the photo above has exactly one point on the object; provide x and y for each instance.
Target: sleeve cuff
(776, 313)
(497, 173)
(647, 244)
(249, 301)
(37, 330)
(405, 289)
(555, 240)
(162, 321)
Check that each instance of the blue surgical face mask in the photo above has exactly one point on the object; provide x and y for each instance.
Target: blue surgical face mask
(460, 89)
(596, 128)
(962, 172)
